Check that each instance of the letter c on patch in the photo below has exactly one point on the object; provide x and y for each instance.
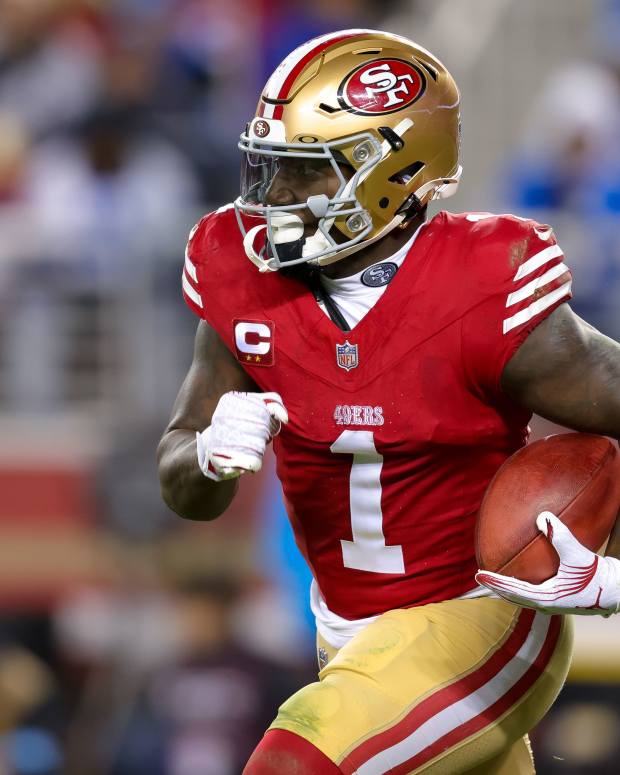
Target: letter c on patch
(254, 342)
(253, 338)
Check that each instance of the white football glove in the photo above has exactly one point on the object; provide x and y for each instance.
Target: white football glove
(241, 426)
(584, 584)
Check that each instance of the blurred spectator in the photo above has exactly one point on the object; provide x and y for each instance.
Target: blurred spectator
(207, 85)
(15, 244)
(580, 736)
(13, 154)
(107, 209)
(203, 711)
(287, 24)
(569, 157)
(31, 715)
(570, 139)
(130, 505)
(112, 193)
(49, 64)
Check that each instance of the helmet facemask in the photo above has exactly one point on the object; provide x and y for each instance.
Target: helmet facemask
(285, 244)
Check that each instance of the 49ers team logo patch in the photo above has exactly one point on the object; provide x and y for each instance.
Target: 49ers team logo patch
(254, 342)
(381, 86)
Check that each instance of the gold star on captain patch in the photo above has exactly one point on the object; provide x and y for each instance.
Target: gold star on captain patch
(257, 359)
(248, 357)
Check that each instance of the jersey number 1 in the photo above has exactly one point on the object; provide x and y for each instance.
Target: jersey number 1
(368, 550)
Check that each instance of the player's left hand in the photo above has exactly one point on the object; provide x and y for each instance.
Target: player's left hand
(584, 584)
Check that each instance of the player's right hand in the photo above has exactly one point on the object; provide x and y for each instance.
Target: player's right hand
(585, 583)
(241, 427)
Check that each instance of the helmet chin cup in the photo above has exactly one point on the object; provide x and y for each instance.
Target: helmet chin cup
(285, 237)
(286, 227)
(284, 242)
(316, 243)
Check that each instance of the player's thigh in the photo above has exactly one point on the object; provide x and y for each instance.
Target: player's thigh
(439, 688)
(515, 760)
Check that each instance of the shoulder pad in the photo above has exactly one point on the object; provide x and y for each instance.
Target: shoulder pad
(213, 232)
(499, 245)
(209, 233)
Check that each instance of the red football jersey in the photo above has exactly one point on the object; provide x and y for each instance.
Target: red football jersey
(397, 426)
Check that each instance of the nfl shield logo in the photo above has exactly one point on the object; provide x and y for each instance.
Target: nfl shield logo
(346, 355)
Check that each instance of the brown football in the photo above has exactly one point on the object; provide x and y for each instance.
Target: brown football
(574, 475)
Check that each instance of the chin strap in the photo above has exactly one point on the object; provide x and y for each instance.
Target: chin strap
(317, 242)
(248, 246)
(313, 280)
(442, 188)
(326, 260)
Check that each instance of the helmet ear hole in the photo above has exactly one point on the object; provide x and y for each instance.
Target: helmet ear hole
(404, 175)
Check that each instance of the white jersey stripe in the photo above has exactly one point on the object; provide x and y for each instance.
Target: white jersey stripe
(465, 709)
(191, 292)
(543, 257)
(537, 306)
(190, 267)
(534, 285)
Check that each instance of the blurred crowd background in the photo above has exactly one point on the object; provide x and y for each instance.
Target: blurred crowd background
(132, 642)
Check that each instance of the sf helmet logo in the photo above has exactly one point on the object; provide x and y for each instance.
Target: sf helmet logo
(381, 79)
(381, 86)
(261, 128)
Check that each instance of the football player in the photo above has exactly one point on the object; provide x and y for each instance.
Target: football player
(394, 360)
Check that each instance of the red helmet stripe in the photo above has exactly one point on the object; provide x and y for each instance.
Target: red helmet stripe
(324, 44)
(280, 83)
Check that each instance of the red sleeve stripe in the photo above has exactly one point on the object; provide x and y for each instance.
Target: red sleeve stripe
(531, 288)
(537, 306)
(538, 259)
(190, 292)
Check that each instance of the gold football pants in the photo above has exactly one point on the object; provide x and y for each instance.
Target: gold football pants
(445, 688)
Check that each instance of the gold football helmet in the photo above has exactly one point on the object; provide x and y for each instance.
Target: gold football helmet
(378, 108)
